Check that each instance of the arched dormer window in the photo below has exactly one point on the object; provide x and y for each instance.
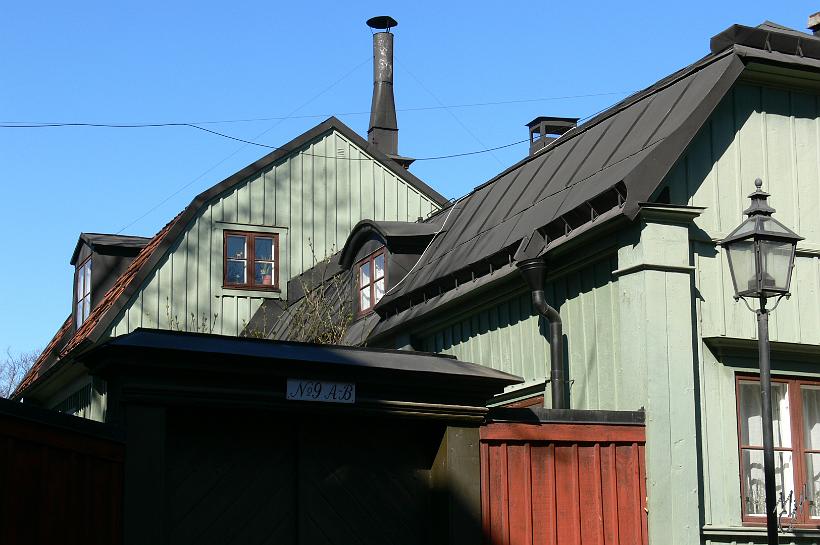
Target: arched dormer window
(372, 278)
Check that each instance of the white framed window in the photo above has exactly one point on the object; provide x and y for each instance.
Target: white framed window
(83, 292)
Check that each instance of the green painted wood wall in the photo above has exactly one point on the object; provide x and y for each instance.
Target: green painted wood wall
(774, 134)
(306, 198)
(510, 337)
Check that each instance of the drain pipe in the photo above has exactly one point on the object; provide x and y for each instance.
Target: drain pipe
(534, 272)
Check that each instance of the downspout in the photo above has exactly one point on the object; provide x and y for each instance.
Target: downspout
(534, 272)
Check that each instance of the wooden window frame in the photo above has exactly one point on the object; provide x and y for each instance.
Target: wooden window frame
(80, 270)
(371, 258)
(250, 260)
(797, 449)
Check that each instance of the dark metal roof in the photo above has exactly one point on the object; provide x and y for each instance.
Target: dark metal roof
(395, 360)
(768, 37)
(103, 240)
(635, 142)
(403, 234)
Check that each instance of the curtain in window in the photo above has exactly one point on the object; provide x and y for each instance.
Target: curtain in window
(751, 432)
(811, 437)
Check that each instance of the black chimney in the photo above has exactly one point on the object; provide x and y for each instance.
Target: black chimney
(383, 132)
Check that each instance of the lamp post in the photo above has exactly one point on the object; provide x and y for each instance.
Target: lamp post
(761, 258)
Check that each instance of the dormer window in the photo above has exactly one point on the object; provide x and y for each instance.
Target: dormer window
(251, 260)
(83, 302)
(371, 280)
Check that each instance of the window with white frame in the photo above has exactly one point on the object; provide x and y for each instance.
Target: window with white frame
(796, 419)
(371, 280)
(83, 292)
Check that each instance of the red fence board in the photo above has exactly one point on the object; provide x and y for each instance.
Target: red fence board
(58, 484)
(567, 484)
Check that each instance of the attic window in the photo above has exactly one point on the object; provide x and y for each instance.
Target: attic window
(251, 260)
(371, 280)
(83, 301)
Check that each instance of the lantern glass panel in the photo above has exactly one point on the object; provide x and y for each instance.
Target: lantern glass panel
(741, 256)
(775, 261)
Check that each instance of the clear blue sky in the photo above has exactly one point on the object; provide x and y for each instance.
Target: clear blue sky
(201, 61)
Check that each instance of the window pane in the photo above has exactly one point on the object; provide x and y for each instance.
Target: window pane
(79, 313)
(754, 500)
(776, 258)
(80, 278)
(263, 249)
(236, 247)
(379, 266)
(86, 307)
(364, 298)
(364, 274)
(378, 289)
(813, 483)
(741, 256)
(87, 286)
(263, 274)
(811, 416)
(236, 272)
(751, 422)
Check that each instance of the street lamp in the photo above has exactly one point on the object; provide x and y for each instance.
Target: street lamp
(761, 258)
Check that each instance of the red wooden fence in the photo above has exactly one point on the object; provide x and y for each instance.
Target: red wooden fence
(567, 484)
(61, 478)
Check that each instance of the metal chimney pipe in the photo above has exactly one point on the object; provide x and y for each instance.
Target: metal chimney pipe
(534, 272)
(383, 132)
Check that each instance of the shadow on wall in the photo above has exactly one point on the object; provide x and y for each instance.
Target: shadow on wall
(242, 477)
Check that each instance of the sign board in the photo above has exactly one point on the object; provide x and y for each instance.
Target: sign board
(320, 390)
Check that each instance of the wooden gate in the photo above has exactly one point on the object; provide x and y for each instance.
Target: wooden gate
(563, 483)
(61, 478)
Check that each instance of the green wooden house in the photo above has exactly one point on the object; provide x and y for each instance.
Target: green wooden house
(625, 208)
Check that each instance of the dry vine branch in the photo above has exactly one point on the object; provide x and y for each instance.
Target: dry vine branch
(321, 316)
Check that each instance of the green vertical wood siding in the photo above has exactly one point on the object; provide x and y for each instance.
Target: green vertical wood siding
(767, 133)
(773, 134)
(509, 336)
(314, 196)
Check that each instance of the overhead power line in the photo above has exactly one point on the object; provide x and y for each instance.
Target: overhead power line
(236, 138)
(309, 116)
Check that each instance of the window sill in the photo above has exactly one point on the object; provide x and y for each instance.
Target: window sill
(754, 530)
(271, 293)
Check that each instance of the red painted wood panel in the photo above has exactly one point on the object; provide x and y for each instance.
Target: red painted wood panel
(567, 484)
(58, 485)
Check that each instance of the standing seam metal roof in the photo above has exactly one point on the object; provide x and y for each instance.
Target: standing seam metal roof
(582, 164)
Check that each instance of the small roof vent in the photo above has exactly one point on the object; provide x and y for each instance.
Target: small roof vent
(544, 130)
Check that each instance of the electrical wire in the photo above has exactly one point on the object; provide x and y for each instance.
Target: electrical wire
(240, 148)
(249, 142)
(310, 116)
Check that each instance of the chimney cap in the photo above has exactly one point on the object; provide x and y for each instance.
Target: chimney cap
(554, 122)
(814, 22)
(382, 22)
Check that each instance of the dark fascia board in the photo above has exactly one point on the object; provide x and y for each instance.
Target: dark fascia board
(190, 211)
(101, 240)
(222, 347)
(538, 415)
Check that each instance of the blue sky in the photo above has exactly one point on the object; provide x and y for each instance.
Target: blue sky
(106, 62)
